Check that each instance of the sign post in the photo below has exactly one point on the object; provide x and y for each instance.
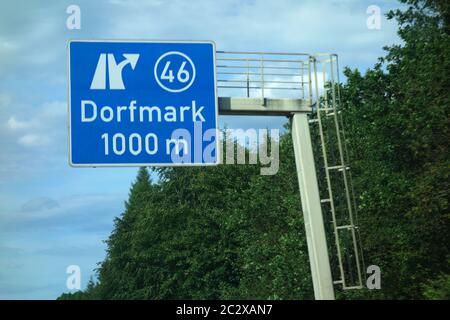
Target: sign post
(142, 103)
(312, 211)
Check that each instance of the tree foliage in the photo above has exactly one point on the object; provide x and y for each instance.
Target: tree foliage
(398, 119)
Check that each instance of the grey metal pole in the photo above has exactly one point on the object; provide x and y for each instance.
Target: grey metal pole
(312, 211)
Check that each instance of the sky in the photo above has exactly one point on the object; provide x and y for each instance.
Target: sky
(53, 216)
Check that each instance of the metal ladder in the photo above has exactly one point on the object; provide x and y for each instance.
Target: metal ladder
(337, 194)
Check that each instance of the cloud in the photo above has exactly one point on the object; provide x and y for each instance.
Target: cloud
(42, 210)
(298, 26)
(4, 99)
(42, 203)
(13, 124)
(33, 136)
(34, 140)
(46, 235)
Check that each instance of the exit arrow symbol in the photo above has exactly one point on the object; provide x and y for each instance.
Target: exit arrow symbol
(114, 70)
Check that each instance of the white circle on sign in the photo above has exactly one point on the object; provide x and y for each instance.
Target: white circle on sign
(181, 70)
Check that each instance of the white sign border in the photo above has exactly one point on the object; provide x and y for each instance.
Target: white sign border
(111, 165)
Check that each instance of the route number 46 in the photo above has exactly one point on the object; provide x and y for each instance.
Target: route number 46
(182, 74)
(174, 71)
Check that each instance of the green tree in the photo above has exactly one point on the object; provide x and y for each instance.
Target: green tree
(397, 116)
(117, 272)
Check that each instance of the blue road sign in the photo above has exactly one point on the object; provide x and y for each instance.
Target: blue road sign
(136, 103)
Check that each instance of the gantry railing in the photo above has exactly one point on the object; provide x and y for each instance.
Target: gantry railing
(261, 74)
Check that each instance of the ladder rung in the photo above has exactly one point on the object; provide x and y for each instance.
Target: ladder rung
(348, 226)
(332, 113)
(339, 168)
(313, 120)
(338, 282)
(325, 200)
(352, 288)
(335, 167)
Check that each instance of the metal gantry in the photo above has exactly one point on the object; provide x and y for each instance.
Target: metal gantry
(301, 85)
